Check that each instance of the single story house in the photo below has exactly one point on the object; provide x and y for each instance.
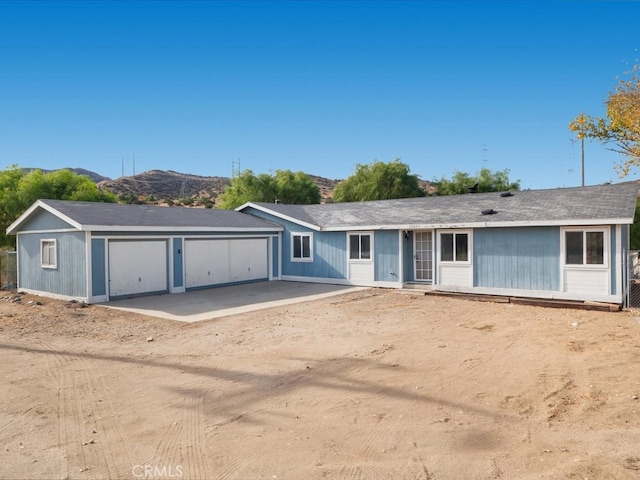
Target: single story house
(564, 243)
(96, 252)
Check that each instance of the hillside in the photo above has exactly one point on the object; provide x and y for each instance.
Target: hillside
(170, 187)
(167, 187)
(159, 186)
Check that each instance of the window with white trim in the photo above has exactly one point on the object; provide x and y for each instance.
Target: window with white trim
(302, 247)
(359, 246)
(454, 247)
(584, 247)
(48, 254)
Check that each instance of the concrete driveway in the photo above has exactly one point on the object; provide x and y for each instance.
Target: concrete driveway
(222, 301)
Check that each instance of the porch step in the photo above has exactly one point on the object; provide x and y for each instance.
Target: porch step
(540, 302)
(426, 287)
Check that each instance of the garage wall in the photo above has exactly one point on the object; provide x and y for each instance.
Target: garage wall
(68, 279)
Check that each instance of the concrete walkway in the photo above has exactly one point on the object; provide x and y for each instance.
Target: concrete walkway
(212, 303)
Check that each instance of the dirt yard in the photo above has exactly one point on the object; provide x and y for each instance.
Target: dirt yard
(369, 385)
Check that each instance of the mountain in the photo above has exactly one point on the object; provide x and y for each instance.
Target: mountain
(170, 187)
(161, 186)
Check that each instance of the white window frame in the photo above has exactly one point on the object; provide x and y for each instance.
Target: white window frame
(302, 235)
(469, 247)
(51, 246)
(606, 235)
(360, 259)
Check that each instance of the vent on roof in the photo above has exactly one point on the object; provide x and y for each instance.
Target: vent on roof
(489, 211)
(506, 194)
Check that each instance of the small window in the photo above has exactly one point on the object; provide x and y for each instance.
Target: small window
(48, 254)
(454, 247)
(301, 247)
(584, 248)
(360, 246)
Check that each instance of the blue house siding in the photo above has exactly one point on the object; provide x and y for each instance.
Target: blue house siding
(525, 258)
(68, 279)
(329, 250)
(98, 267)
(407, 258)
(275, 257)
(386, 251)
(43, 220)
(178, 272)
(329, 256)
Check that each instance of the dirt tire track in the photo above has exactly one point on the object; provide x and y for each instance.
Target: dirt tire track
(92, 406)
(183, 443)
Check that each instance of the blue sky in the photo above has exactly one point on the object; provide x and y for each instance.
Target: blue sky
(312, 86)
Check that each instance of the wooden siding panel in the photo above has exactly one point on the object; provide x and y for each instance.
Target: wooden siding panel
(275, 257)
(361, 273)
(455, 275)
(69, 278)
(43, 220)
(526, 258)
(586, 282)
(178, 270)
(407, 258)
(98, 267)
(329, 257)
(613, 262)
(329, 250)
(386, 251)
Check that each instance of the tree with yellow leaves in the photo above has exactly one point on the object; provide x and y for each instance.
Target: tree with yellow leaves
(621, 127)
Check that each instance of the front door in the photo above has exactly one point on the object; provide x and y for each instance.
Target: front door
(423, 248)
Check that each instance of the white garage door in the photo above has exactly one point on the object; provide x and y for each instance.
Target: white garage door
(137, 267)
(215, 262)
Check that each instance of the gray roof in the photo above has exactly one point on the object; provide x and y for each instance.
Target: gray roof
(602, 204)
(115, 216)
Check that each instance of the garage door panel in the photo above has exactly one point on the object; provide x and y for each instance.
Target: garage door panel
(206, 262)
(137, 267)
(220, 261)
(248, 259)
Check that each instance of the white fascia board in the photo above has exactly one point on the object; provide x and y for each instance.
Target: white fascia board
(245, 205)
(431, 226)
(166, 228)
(11, 229)
(282, 216)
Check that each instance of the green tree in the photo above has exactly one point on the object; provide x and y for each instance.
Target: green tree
(484, 180)
(285, 186)
(19, 189)
(378, 181)
(621, 127)
(296, 188)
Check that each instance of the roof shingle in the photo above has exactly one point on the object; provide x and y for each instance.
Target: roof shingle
(577, 205)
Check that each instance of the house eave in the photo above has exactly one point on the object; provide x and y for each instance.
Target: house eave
(14, 227)
(493, 224)
(279, 215)
(164, 228)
